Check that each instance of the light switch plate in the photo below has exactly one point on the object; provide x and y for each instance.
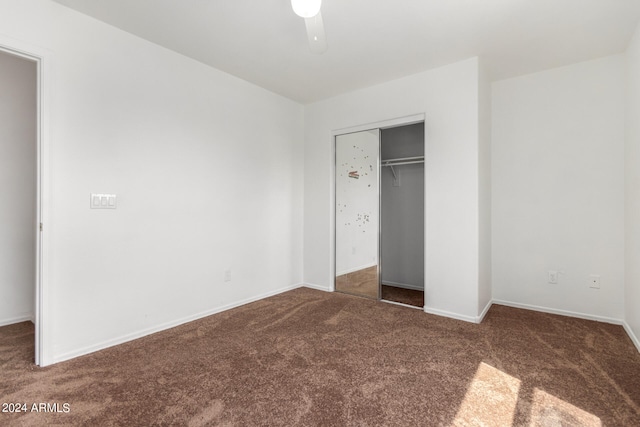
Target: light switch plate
(103, 201)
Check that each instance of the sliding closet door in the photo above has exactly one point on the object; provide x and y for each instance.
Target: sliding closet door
(357, 213)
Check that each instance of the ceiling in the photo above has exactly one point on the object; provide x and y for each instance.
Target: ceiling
(264, 42)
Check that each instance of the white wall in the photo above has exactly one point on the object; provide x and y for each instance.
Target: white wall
(485, 292)
(357, 213)
(402, 207)
(449, 98)
(558, 187)
(208, 170)
(632, 188)
(18, 124)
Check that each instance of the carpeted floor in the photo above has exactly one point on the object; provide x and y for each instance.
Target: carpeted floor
(402, 295)
(310, 358)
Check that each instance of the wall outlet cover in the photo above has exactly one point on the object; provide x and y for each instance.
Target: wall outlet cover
(103, 201)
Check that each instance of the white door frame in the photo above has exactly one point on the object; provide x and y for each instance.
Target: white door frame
(384, 124)
(43, 60)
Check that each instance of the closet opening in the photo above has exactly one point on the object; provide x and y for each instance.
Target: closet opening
(402, 214)
(379, 213)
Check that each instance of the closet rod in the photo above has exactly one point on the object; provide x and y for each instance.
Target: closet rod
(402, 161)
(389, 163)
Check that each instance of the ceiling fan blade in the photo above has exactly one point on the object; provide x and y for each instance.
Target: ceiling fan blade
(315, 34)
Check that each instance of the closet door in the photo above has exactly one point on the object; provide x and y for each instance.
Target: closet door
(357, 215)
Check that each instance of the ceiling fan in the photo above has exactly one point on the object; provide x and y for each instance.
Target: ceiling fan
(310, 11)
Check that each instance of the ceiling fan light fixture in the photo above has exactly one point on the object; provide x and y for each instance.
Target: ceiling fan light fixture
(306, 8)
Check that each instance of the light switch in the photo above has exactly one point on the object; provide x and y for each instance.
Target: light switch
(103, 201)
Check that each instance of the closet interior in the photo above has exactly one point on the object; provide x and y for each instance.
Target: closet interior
(379, 214)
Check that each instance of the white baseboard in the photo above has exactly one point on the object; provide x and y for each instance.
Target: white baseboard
(633, 336)
(451, 315)
(167, 325)
(317, 287)
(17, 319)
(560, 312)
(402, 285)
(480, 318)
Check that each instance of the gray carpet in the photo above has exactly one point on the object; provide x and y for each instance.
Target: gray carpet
(310, 358)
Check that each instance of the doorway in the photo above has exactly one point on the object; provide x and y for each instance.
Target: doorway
(20, 217)
(402, 214)
(379, 213)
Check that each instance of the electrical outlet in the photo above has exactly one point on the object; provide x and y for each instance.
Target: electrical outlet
(594, 281)
(552, 276)
(227, 275)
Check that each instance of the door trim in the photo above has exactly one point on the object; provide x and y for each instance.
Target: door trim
(384, 124)
(43, 60)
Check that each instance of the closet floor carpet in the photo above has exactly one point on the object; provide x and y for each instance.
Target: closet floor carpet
(404, 296)
(312, 358)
